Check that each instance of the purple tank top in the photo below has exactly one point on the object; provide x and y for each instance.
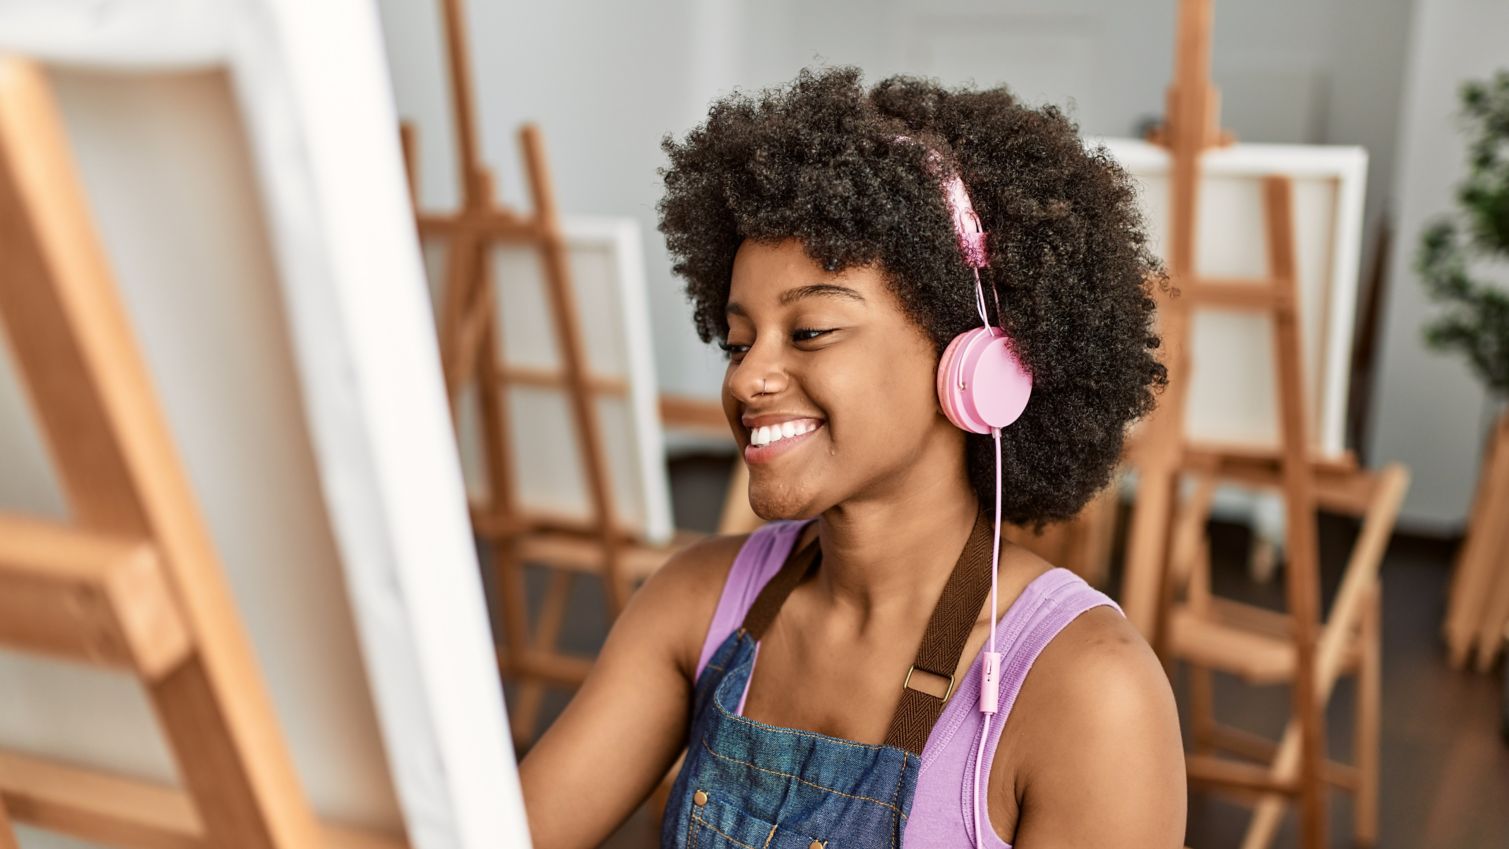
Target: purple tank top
(942, 813)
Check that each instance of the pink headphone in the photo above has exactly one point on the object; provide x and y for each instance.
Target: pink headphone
(982, 387)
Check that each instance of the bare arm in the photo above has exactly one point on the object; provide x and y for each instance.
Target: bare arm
(1106, 762)
(624, 728)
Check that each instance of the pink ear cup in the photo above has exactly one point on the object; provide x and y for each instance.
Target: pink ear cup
(981, 383)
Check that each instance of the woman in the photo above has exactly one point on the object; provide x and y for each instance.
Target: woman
(825, 673)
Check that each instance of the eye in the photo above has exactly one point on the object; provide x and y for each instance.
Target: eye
(806, 334)
(802, 334)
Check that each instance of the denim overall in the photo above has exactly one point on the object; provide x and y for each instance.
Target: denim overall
(749, 785)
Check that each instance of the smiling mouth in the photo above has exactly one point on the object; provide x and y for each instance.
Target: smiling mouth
(768, 442)
(772, 434)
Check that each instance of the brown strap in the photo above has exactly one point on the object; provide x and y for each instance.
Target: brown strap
(942, 642)
(768, 603)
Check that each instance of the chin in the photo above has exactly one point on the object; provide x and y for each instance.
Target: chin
(774, 502)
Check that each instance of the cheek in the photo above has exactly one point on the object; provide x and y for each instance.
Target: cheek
(888, 394)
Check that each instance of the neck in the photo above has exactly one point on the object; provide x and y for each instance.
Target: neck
(881, 555)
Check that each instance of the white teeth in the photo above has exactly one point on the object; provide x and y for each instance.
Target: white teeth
(767, 434)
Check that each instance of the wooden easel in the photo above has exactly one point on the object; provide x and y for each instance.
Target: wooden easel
(469, 347)
(1266, 647)
(1477, 610)
(132, 582)
(1291, 647)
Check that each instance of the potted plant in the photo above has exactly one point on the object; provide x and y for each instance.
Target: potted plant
(1462, 261)
(1460, 253)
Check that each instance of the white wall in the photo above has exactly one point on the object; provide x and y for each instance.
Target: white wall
(1429, 408)
(607, 80)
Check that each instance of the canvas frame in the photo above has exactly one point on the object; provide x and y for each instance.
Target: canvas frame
(313, 91)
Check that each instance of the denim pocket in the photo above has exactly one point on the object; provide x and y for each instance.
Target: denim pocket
(719, 824)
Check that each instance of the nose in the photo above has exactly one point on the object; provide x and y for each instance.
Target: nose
(759, 373)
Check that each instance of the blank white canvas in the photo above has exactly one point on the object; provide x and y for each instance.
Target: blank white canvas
(606, 266)
(1233, 389)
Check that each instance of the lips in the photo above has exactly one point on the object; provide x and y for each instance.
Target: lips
(773, 435)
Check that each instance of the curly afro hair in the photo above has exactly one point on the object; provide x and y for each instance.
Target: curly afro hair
(818, 160)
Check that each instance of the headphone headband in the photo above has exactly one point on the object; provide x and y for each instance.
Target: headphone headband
(967, 225)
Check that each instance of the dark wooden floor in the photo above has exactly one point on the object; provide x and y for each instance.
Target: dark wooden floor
(1445, 764)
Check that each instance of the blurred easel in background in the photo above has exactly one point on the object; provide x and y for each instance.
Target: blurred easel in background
(470, 345)
(1166, 584)
(132, 583)
(1477, 610)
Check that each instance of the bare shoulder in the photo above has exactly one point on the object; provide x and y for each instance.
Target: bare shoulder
(683, 594)
(1102, 760)
(1100, 671)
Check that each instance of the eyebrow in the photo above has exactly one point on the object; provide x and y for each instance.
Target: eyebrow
(814, 290)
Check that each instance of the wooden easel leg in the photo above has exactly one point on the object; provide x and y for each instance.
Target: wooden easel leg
(469, 346)
(738, 517)
(1147, 548)
(1302, 578)
(1490, 630)
(1098, 533)
(206, 752)
(1369, 719)
(7, 830)
(408, 140)
(1202, 695)
(1269, 811)
(455, 292)
(1263, 827)
(508, 575)
(1472, 581)
(1201, 706)
(492, 410)
(526, 710)
(573, 353)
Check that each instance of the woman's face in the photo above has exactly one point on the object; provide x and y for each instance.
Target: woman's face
(830, 363)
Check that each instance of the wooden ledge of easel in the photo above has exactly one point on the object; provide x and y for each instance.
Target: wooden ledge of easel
(88, 597)
(1247, 745)
(562, 670)
(580, 553)
(1237, 294)
(1256, 778)
(498, 225)
(1225, 638)
(676, 411)
(1340, 485)
(495, 525)
(120, 811)
(698, 414)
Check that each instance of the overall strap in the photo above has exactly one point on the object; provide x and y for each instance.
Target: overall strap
(768, 603)
(942, 642)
